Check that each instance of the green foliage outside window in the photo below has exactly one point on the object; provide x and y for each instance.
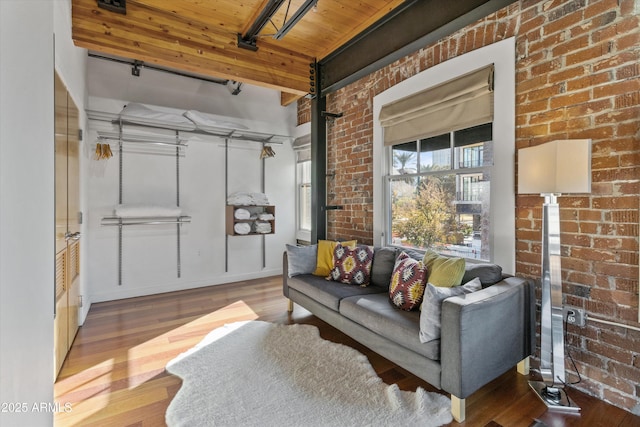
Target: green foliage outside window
(428, 216)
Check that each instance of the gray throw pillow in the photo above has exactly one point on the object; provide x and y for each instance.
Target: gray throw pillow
(384, 259)
(418, 256)
(301, 259)
(488, 274)
(430, 316)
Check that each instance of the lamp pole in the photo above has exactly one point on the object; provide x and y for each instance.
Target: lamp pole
(551, 389)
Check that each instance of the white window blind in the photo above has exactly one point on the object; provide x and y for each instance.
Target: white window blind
(460, 103)
(302, 148)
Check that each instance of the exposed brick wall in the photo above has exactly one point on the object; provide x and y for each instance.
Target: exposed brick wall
(304, 111)
(578, 76)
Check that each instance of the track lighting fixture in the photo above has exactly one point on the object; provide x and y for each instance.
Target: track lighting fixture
(118, 6)
(237, 89)
(135, 68)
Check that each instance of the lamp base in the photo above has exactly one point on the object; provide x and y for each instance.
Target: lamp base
(555, 398)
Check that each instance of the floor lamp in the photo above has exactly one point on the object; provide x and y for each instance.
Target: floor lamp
(551, 169)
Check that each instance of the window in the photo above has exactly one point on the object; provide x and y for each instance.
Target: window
(302, 149)
(439, 192)
(476, 174)
(303, 181)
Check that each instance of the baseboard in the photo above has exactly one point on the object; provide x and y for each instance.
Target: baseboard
(129, 292)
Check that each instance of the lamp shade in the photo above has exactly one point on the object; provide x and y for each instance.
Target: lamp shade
(562, 166)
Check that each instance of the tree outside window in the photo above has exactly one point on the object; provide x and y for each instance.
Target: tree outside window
(439, 193)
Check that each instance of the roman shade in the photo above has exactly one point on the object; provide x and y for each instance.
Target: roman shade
(459, 103)
(302, 148)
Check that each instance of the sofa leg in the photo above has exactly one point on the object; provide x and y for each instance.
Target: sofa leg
(290, 308)
(457, 408)
(523, 366)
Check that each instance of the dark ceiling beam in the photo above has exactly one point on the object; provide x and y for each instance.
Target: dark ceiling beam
(403, 31)
(248, 40)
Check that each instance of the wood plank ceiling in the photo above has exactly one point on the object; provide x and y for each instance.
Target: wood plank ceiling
(201, 36)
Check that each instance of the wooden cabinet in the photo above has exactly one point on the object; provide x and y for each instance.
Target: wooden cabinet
(255, 212)
(60, 331)
(67, 188)
(73, 291)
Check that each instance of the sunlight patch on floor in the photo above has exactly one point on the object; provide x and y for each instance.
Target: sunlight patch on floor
(146, 359)
(98, 397)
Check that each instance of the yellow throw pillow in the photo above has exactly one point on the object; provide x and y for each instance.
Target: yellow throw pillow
(443, 271)
(324, 262)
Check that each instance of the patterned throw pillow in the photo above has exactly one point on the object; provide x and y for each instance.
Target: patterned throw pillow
(325, 258)
(352, 265)
(408, 282)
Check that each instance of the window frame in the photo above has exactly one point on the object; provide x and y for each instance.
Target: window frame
(502, 191)
(455, 168)
(302, 233)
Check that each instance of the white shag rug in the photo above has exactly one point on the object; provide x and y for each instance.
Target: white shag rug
(263, 374)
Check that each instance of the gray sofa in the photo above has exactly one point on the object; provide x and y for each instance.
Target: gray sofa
(483, 334)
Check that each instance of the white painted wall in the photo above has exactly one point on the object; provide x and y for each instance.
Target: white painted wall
(70, 60)
(149, 252)
(26, 209)
(112, 80)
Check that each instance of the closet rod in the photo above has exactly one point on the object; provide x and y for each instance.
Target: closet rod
(122, 221)
(133, 140)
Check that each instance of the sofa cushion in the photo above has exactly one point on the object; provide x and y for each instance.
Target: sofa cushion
(352, 266)
(374, 312)
(408, 280)
(444, 271)
(301, 259)
(430, 315)
(327, 292)
(324, 262)
(488, 274)
(384, 259)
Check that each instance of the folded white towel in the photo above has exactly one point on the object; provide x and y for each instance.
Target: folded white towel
(142, 210)
(242, 214)
(262, 227)
(239, 199)
(247, 199)
(266, 217)
(242, 228)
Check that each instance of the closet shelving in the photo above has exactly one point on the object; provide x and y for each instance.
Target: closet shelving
(226, 132)
(174, 146)
(230, 209)
(231, 220)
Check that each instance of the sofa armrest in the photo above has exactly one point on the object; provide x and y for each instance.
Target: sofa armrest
(486, 333)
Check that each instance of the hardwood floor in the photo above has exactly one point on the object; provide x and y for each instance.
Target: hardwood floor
(114, 374)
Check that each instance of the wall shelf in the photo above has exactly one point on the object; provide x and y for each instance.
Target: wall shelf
(224, 132)
(231, 220)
